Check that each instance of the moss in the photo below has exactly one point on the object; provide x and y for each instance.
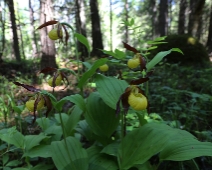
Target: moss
(194, 52)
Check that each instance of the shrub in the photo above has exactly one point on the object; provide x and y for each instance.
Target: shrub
(194, 52)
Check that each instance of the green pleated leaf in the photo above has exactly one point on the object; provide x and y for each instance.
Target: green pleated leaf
(77, 99)
(159, 57)
(91, 71)
(141, 144)
(100, 117)
(43, 122)
(14, 163)
(33, 140)
(100, 161)
(64, 117)
(73, 157)
(110, 89)
(186, 150)
(43, 151)
(19, 109)
(42, 166)
(12, 136)
(73, 120)
(111, 149)
(84, 129)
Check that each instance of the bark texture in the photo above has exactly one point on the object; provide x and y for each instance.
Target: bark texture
(81, 27)
(196, 9)
(47, 45)
(163, 18)
(10, 4)
(182, 17)
(96, 29)
(209, 41)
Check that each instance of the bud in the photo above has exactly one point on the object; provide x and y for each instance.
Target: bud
(30, 104)
(57, 80)
(104, 68)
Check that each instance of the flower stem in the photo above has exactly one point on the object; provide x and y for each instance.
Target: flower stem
(77, 53)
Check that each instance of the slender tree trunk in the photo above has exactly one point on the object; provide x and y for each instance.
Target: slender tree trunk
(96, 29)
(32, 29)
(182, 17)
(111, 26)
(196, 8)
(14, 30)
(21, 36)
(153, 13)
(126, 6)
(2, 20)
(209, 41)
(199, 28)
(81, 26)
(163, 16)
(47, 45)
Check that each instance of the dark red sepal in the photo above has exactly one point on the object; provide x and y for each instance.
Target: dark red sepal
(28, 87)
(130, 48)
(52, 22)
(139, 81)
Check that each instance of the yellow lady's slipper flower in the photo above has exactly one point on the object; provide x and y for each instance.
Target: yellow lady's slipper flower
(133, 63)
(137, 101)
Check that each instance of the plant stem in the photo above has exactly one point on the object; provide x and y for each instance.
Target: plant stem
(77, 53)
(123, 133)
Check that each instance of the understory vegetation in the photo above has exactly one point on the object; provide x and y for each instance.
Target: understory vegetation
(126, 110)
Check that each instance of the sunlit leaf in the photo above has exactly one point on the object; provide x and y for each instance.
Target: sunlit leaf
(159, 57)
(110, 89)
(81, 38)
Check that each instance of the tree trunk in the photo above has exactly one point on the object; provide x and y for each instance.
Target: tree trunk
(163, 18)
(126, 6)
(32, 29)
(81, 27)
(196, 8)
(21, 42)
(182, 17)
(96, 29)
(47, 45)
(2, 20)
(209, 41)
(153, 13)
(111, 26)
(14, 30)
